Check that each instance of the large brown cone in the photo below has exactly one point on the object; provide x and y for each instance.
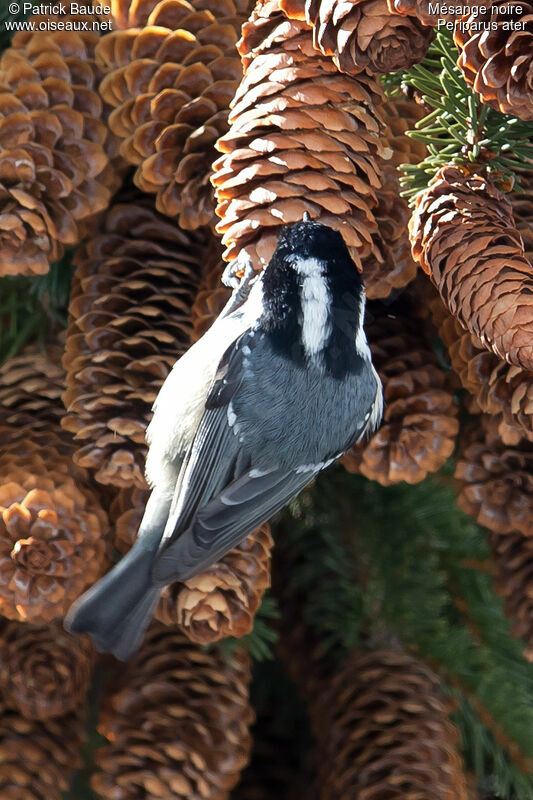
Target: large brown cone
(419, 425)
(496, 482)
(496, 488)
(384, 732)
(177, 723)
(421, 10)
(38, 757)
(499, 63)
(401, 115)
(391, 265)
(170, 82)
(303, 138)
(210, 299)
(463, 236)
(52, 526)
(44, 671)
(495, 387)
(129, 322)
(366, 35)
(219, 602)
(54, 169)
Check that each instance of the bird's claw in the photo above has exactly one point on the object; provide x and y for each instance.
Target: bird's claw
(239, 273)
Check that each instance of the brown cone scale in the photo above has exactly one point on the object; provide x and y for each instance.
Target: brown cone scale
(177, 723)
(54, 164)
(463, 235)
(418, 431)
(169, 82)
(38, 757)
(498, 64)
(52, 527)
(383, 732)
(303, 138)
(44, 671)
(367, 35)
(129, 322)
(496, 488)
(495, 387)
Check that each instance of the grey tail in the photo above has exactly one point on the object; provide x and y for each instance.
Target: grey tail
(116, 611)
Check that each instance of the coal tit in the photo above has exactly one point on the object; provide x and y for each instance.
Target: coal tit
(275, 391)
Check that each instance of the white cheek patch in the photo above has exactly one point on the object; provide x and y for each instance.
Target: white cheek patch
(316, 304)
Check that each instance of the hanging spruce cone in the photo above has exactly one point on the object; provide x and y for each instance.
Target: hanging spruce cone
(170, 82)
(499, 63)
(177, 723)
(303, 138)
(31, 385)
(52, 526)
(401, 115)
(496, 482)
(495, 387)
(129, 322)
(522, 203)
(394, 268)
(223, 600)
(383, 731)
(220, 602)
(37, 757)
(462, 234)
(54, 169)
(496, 488)
(420, 9)
(44, 671)
(513, 559)
(367, 35)
(210, 299)
(419, 426)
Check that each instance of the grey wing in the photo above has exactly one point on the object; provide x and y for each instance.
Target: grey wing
(226, 520)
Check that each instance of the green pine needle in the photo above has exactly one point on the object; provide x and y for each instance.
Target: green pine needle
(260, 641)
(459, 129)
(30, 308)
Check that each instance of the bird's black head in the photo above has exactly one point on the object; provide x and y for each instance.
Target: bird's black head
(313, 297)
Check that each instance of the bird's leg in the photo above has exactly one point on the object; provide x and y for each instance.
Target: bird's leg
(241, 286)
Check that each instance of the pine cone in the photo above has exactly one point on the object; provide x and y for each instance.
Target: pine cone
(366, 35)
(38, 757)
(462, 234)
(217, 603)
(522, 203)
(52, 543)
(53, 528)
(496, 482)
(211, 298)
(129, 322)
(54, 169)
(31, 385)
(513, 559)
(177, 724)
(499, 63)
(395, 267)
(495, 387)
(44, 671)
(170, 84)
(419, 426)
(302, 138)
(383, 731)
(420, 10)
(495, 488)
(223, 600)
(401, 115)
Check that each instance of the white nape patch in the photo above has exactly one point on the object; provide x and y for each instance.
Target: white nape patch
(361, 344)
(316, 305)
